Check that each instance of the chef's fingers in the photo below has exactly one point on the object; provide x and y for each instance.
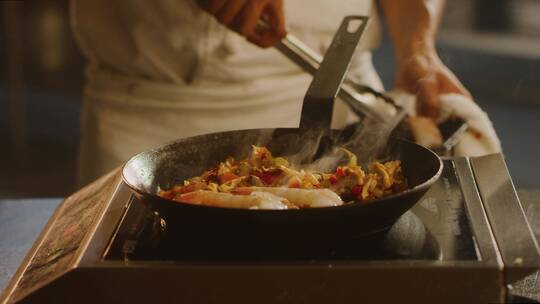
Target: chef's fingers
(274, 16)
(428, 104)
(230, 11)
(247, 21)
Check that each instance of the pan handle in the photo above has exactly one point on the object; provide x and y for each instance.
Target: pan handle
(319, 100)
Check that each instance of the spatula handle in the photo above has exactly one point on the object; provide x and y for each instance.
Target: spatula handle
(319, 100)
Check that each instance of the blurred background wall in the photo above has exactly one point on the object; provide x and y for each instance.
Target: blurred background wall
(492, 45)
(40, 97)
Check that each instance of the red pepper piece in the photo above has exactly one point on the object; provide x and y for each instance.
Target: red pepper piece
(295, 184)
(225, 177)
(357, 189)
(268, 178)
(188, 188)
(167, 195)
(340, 172)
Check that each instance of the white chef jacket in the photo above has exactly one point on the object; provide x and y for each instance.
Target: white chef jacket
(163, 69)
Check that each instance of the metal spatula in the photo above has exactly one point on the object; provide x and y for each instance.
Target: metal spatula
(365, 101)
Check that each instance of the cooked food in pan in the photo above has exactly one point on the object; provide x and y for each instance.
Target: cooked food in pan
(265, 182)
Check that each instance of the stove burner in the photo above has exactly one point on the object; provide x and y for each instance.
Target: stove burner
(136, 239)
(410, 239)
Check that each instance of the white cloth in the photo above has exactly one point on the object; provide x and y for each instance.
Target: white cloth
(480, 139)
(163, 69)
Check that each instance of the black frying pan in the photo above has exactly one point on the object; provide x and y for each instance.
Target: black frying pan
(166, 166)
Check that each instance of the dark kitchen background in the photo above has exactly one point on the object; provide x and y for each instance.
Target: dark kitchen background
(492, 45)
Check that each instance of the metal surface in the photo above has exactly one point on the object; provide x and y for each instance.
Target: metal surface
(319, 100)
(91, 247)
(163, 282)
(512, 232)
(443, 210)
(484, 239)
(529, 286)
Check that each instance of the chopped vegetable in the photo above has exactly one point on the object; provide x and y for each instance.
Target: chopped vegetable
(261, 169)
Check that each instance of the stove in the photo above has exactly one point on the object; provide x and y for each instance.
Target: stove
(467, 240)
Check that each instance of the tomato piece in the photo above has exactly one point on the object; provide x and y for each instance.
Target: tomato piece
(333, 179)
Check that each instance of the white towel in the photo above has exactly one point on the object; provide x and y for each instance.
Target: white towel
(480, 139)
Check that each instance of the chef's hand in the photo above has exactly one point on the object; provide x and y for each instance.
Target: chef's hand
(422, 73)
(242, 16)
(413, 27)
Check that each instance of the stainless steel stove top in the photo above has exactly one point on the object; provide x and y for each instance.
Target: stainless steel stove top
(466, 240)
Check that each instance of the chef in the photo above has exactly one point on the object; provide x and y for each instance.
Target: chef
(166, 69)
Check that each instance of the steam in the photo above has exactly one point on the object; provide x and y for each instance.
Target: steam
(315, 150)
(369, 141)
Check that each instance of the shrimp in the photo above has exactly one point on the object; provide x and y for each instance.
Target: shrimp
(253, 200)
(300, 197)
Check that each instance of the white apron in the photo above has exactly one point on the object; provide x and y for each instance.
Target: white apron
(163, 70)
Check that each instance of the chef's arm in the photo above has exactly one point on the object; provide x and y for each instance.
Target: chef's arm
(413, 27)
